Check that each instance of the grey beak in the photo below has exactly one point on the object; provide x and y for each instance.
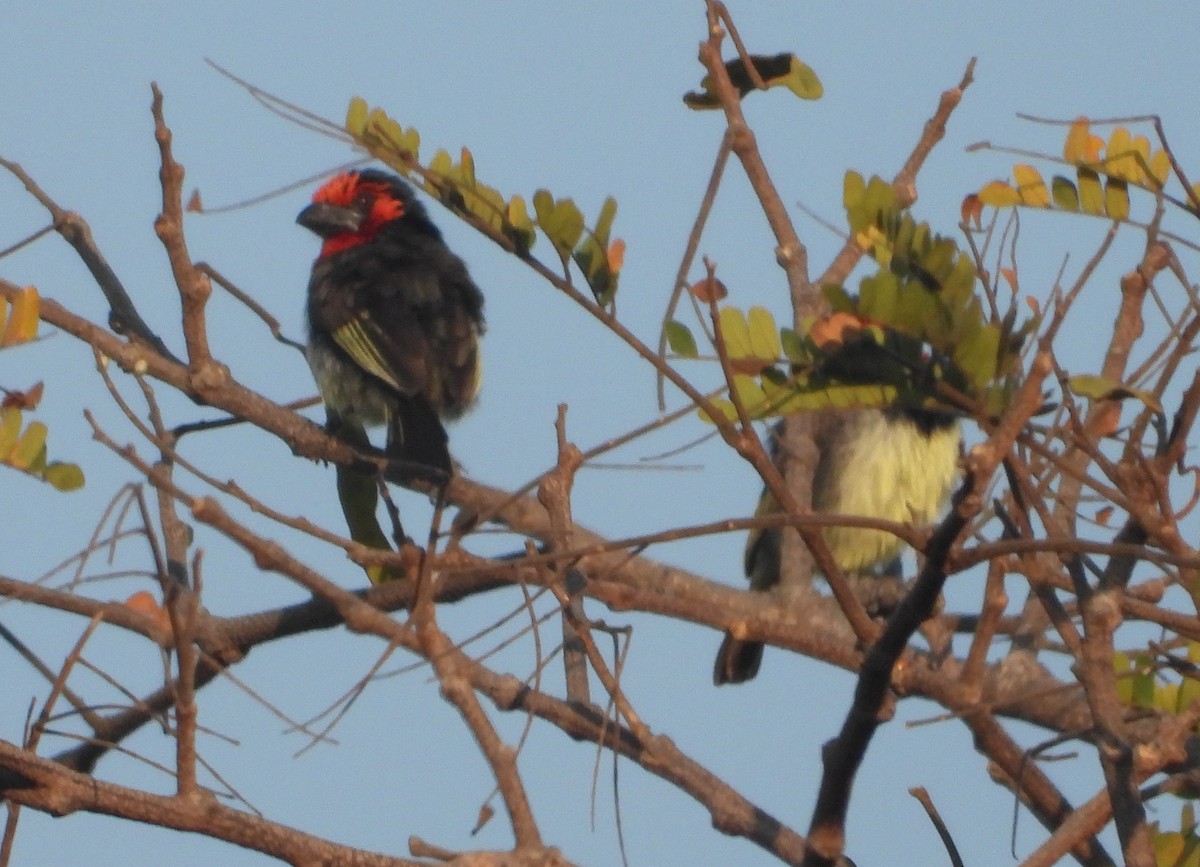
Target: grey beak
(327, 220)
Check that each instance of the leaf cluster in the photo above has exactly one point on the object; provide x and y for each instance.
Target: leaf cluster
(506, 220)
(1104, 172)
(23, 446)
(915, 330)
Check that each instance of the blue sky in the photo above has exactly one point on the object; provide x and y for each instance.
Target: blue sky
(583, 99)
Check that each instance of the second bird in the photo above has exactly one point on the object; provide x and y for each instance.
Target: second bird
(394, 318)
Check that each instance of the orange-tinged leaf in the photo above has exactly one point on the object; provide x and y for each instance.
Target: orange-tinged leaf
(1033, 305)
(708, 290)
(972, 211)
(1104, 515)
(616, 255)
(28, 399)
(485, 815)
(1031, 187)
(22, 323)
(24, 400)
(1010, 277)
(831, 331)
(144, 603)
(1075, 147)
(999, 194)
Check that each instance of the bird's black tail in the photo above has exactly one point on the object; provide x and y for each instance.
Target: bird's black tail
(737, 661)
(416, 439)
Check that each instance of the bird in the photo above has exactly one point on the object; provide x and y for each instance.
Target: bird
(394, 320)
(895, 464)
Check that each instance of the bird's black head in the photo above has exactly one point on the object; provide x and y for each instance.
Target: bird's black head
(353, 207)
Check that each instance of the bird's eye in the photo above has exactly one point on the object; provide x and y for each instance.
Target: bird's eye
(364, 201)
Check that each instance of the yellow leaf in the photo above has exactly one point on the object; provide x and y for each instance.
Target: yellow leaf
(1091, 194)
(1031, 187)
(999, 194)
(724, 407)
(764, 335)
(1119, 157)
(735, 332)
(751, 394)
(1140, 159)
(1116, 199)
(22, 323)
(10, 429)
(31, 445)
(356, 117)
(1195, 199)
(1160, 167)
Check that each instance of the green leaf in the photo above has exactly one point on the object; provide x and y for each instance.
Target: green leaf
(1122, 667)
(680, 339)
(735, 332)
(518, 227)
(977, 356)
(64, 477)
(592, 256)
(356, 117)
(837, 297)
(10, 429)
(1100, 388)
(764, 334)
(794, 347)
(1066, 197)
(854, 188)
(751, 394)
(802, 80)
(1143, 683)
(604, 221)
(560, 220)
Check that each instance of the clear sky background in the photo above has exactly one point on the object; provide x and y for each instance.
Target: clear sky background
(583, 99)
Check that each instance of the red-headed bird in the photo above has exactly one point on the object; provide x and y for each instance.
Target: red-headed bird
(394, 319)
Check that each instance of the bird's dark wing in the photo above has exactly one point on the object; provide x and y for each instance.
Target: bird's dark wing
(406, 311)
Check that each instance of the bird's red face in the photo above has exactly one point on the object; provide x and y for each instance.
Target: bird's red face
(348, 211)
